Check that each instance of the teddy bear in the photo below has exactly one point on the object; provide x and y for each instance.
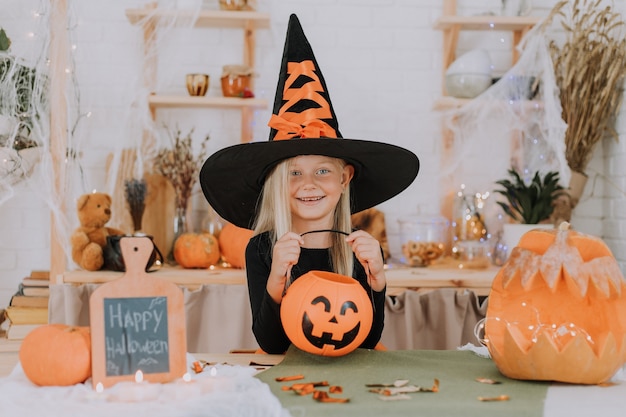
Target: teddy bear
(89, 239)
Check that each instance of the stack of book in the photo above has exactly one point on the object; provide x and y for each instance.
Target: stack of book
(29, 305)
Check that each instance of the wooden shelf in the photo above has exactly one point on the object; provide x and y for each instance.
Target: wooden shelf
(205, 18)
(452, 24)
(399, 278)
(177, 275)
(246, 20)
(448, 103)
(503, 23)
(169, 101)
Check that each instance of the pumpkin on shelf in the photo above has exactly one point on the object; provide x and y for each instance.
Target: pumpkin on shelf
(233, 241)
(557, 309)
(56, 355)
(196, 250)
(326, 314)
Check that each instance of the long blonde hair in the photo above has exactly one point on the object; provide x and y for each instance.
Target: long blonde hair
(274, 215)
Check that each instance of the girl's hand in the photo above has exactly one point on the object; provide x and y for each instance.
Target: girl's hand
(285, 254)
(368, 251)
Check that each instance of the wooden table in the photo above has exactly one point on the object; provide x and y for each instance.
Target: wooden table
(561, 400)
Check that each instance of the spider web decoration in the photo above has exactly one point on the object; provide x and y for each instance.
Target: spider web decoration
(24, 115)
(520, 116)
(51, 77)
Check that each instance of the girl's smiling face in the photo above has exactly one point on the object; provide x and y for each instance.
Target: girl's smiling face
(315, 186)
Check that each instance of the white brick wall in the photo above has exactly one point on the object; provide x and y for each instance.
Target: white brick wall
(382, 63)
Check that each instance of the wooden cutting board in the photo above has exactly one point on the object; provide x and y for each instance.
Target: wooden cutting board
(137, 323)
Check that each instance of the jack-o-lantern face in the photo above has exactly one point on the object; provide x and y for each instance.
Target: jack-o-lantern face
(557, 310)
(333, 328)
(326, 314)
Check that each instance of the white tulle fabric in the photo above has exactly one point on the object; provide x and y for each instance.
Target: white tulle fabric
(228, 391)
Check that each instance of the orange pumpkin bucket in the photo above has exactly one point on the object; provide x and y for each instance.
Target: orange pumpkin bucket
(557, 310)
(326, 314)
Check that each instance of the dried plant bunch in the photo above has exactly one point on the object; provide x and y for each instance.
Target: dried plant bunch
(530, 203)
(179, 164)
(135, 191)
(589, 68)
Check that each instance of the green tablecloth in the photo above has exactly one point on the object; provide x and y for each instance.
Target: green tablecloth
(456, 371)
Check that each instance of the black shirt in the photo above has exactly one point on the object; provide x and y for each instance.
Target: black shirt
(266, 323)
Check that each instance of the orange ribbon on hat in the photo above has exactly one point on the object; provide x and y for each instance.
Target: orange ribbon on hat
(287, 129)
(307, 123)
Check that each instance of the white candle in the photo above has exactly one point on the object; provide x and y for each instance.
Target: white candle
(182, 389)
(215, 381)
(135, 391)
(96, 396)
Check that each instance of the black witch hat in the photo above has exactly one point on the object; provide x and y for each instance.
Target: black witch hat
(303, 123)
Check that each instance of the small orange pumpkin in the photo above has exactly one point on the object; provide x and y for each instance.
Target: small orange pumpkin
(57, 354)
(326, 314)
(196, 250)
(233, 241)
(557, 309)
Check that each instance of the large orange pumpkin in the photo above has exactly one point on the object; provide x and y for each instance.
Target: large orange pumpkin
(326, 314)
(233, 241)
(196, 250)
(557, 309)
(57, 354)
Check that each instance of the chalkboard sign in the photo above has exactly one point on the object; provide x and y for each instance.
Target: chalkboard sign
(137, 323)
(135, 335)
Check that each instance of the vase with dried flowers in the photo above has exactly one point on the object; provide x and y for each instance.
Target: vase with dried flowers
(589, 60)
(180, 166)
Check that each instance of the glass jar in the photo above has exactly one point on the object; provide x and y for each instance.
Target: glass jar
(468, 220)
(212, 222)
(236, 80)
(423, 239)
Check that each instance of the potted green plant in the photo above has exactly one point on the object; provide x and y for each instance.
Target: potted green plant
(528, 205)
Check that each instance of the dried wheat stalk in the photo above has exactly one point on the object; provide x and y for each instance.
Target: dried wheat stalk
(179, 165)
(589, 68)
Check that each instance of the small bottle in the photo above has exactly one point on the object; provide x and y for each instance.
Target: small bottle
(468, 222)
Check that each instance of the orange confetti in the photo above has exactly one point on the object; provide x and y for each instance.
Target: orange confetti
(197, 368)
(305, 387)
(487, 381)
(323, 397)
(289, 378)
(498, 398)
(335, 389)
